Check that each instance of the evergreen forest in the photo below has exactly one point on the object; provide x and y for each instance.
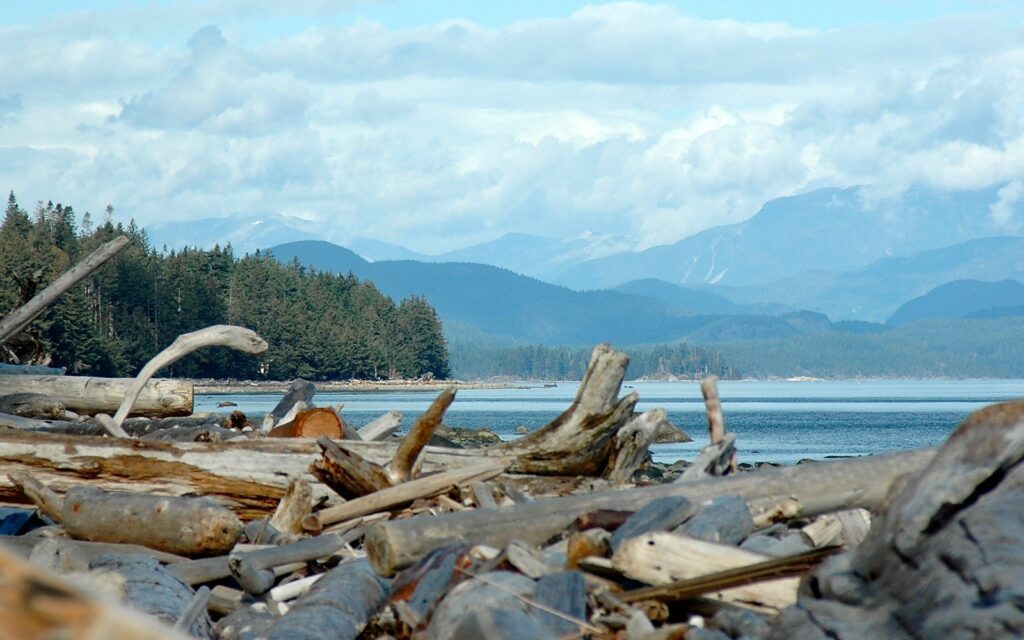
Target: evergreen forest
(319, 325)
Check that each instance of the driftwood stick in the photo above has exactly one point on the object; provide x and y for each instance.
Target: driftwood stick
(20, 318)
(196, 607)
(716, 459)
(400, 467)
(630, 446)
(238, 338)
(422, 487)
(713, 406)
(381, 427)
(819, 488)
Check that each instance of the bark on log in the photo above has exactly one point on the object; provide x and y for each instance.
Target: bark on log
(155, 591)
(337, 607)
(221, 335)
(185, 526)
(820, 488)
(944, 559)
(35, 603)
(90, 395)
(20, 318)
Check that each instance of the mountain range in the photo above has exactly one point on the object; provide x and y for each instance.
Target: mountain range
(831, 261)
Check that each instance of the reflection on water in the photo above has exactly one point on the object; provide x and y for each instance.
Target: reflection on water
(774, 421)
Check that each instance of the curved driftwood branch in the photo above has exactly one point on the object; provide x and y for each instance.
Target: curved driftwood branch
(20, 318)
(221, 335)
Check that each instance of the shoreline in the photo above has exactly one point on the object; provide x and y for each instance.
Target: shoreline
(224, 387)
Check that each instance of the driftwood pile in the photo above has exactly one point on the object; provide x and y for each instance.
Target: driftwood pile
(304, 527)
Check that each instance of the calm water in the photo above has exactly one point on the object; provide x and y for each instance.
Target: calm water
(774, 421)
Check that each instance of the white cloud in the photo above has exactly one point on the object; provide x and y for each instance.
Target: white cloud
(627, 119)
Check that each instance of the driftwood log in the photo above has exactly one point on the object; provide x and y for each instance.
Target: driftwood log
(32, 405)
(20, 318)
(311, 423)
(817, 488)
(944, 559)
(187, 526)
(90, 395)
(381, 427)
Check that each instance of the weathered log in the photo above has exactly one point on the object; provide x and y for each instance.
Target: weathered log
(381, 427)
(36, 603)
(819, 488)
(943, 560)
(194, 610)
(155, 591)
(90, 395)
(299, 391)
(631, 444)
(338, 606)
(401, 466)
(21, 317)
(32, 405)
(221, 335)
(311, 423)
(482, 495)
(663, 558)
(186, 526)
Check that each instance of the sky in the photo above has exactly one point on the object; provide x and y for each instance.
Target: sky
(435, 125)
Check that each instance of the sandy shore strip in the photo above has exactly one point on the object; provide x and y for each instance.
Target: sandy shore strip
(223, 387)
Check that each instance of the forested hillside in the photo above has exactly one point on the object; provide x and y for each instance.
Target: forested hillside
(536, 362)
(318, 325)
